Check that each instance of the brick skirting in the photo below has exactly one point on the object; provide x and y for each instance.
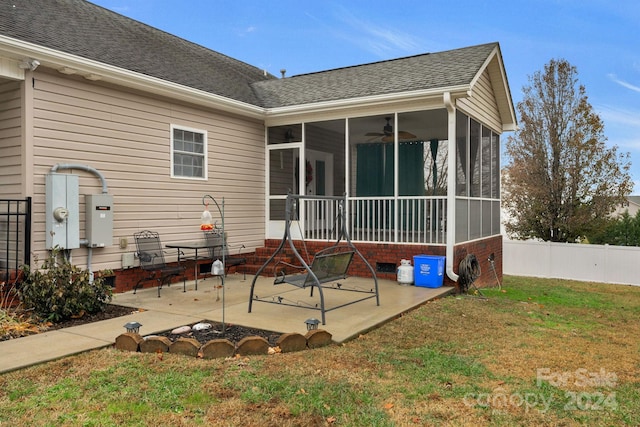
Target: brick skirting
(381, 256)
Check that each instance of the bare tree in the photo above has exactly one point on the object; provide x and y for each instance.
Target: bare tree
(561, 180)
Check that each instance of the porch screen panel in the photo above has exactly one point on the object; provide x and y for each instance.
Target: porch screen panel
(277, 210)
(374, 166)
(462, 220)
(282, 171)
(285, 134)
(320, 178)
(411, 164)
(387, 188)
(435, 168)
(495, 217)
(487, 162)
(282, 179)
(495, 166)
(374, 178)
(475, 219)
(487, 211)
(411, 169)
(461, 153)
(475, 158)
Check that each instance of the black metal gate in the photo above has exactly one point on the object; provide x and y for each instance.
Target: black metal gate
(15, 236)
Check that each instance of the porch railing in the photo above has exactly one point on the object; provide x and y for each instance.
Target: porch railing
(15, 236)
(380, 219)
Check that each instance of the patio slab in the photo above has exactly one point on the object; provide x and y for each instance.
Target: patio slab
(343, 323)
(176, 308)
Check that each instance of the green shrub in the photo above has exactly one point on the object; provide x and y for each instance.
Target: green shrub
(59, 290)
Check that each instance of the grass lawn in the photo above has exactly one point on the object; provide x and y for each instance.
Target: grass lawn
(538, 352)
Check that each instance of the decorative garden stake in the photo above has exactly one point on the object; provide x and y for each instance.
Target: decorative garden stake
(206, 224)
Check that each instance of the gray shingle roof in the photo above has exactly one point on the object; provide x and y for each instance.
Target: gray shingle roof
(81, 28)
(89, 31)
(421, 72)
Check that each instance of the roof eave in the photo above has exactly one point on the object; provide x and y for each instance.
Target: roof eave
(95, 70)
(385, 100)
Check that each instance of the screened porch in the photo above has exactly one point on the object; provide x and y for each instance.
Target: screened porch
(394, 169)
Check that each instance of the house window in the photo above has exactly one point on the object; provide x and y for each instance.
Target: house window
(188, 153)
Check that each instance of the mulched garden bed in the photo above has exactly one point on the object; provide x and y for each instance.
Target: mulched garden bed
(111, 311)
(233, 333)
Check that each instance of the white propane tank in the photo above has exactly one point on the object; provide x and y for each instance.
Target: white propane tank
(405, 272)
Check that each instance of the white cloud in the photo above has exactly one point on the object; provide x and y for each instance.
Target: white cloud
(378, 38)
(623, 83)
(619, 116)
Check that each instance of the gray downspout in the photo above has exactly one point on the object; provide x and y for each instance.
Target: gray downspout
(451, 186)
(97, 173)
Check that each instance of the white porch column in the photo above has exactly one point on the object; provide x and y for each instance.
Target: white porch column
(451, 186)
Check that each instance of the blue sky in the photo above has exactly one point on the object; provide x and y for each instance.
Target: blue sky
(600, 37)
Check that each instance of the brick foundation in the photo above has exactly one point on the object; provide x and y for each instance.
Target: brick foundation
(126, 279)
(377, 254)
(481, 249)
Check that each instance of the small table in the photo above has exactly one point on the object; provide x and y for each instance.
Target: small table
(194, 245)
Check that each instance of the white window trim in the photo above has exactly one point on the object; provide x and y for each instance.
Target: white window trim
(205, 152)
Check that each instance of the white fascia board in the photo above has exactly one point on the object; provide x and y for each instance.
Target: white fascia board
(92, 69)
(10, 69)
(353, 105)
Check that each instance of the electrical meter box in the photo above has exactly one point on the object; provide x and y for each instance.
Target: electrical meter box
(62, 216)
(99, 220)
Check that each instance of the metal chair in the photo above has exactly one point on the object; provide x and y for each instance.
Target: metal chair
(151, 256)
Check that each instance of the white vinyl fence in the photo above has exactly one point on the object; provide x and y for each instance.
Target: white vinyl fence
(592, 263)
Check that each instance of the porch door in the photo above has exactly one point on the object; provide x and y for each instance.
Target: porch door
(318, 182)
(283, 177)
(319, 179)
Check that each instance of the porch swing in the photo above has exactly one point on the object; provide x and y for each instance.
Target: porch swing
(328, 266)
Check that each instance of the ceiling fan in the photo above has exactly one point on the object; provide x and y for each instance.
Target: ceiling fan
(387, 132)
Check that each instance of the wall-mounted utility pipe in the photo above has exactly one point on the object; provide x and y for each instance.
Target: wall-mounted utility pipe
(97, 173)
(85, 168)
(451, 186)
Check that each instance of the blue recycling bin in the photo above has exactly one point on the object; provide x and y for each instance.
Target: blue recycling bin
(428, 270)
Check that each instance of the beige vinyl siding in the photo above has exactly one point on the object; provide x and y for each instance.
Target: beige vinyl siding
(10, 140)
(483, 106)
(126, 137)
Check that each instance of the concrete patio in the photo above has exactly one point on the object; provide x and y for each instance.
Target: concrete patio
(343, 323)
(209, 302)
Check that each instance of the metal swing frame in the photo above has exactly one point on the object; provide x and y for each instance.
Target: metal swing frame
(328, 265)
